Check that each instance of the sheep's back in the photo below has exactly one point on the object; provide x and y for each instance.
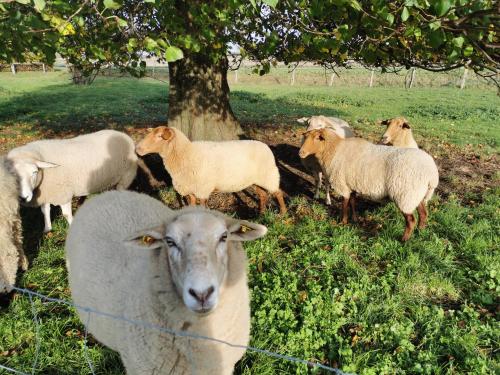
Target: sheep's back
(88, 164)
(234, 165)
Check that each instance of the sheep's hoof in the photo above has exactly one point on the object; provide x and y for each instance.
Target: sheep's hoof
(405, 237)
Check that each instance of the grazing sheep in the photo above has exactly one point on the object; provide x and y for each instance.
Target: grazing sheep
(398, 133)
(11, 250)
(342, 128)
(129, 255)
(199, 168)
(54, 171)
(356, 166)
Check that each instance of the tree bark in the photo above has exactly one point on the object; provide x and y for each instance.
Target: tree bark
(198, 102)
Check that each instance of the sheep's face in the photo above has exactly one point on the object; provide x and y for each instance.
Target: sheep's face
(29, 176)
(313, 144)
(197, 245)
(396, 128)
(154, 141)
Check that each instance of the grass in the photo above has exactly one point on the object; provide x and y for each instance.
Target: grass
(348, 296)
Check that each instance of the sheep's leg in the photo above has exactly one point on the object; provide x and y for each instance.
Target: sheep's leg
(318, 177)
(67, 213)
(281, 201)
(263, 198)
(46, 217)
(410, 225)
(422, 215)
(345, 209)
(352, 201)
(203, 202)
(328, 199)
(191, 200)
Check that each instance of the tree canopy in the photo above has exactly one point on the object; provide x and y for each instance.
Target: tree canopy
(430, 34)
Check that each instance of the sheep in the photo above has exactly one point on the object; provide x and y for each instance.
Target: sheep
(356, 166)
(11, 250)
(199, 168)
(54, 171)
(342, 128)
(129, 255)
(398, 133)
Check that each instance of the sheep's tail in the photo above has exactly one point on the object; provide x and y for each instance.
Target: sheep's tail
(430, 189)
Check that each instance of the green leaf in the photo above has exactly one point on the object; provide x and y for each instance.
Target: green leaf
(390, 18)
(23, 1)
(149, 1)
(173, 54)
(436, 38)
(435, 25)
(150, 44)
(110, 4)
(271, 3)
(469, 50)
(458, 41)
(405, 14)
(442, 6)
(39, 5)
(121, 22)
(132, 42)
(355, 5)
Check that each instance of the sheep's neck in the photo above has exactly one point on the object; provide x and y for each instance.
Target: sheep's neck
(328, 152)
(175, 153)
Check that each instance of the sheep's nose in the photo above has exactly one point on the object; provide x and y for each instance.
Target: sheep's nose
(302, 154)
(203, 296)
(25, 199)
(385, 140)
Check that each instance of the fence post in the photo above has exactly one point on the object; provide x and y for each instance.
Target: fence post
(371, 78)
(412, 79)
(44, 68)
(464, 77)
(13, 68)
(292, 80)
(236, 76)
(331, 79)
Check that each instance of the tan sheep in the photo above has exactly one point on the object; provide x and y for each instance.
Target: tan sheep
(398, 133)
(356, 166)
(199, 168)
(342, 128)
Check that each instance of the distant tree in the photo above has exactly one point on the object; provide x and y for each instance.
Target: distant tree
(194, 37)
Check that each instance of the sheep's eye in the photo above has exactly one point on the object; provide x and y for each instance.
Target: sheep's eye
(147, 240)
(170, 242)
(223, 238)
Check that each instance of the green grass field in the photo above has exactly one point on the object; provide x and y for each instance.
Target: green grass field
(350, 296)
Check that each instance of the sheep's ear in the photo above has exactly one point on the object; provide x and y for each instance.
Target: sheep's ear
(44, 164)
(406, 125)
(242, 230)
(167, 134)
(303, 120)
(384, 122)
(151, 238)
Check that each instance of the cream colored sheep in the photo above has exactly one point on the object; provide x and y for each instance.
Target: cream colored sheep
(54, 171)
(129, 255)
(11, 242)
(341, 127)
(355, 166)
(398, 133)
(199, 168)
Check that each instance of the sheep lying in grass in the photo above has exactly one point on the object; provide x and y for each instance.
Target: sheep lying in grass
(129, 255)
(54, 171)
(199, 168)
(342, 128)
(11, 250)
(398, 133)
(355, 166)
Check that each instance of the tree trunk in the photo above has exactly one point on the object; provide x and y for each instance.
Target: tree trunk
(198, 102)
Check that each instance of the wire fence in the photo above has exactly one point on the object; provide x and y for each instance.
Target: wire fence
(90, 311)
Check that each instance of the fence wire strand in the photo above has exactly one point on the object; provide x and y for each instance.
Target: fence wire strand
(187, 335)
